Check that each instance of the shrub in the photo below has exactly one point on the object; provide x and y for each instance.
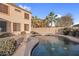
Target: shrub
(23, 33)
(66, 31)
(7, 47)
(6, 35)
(74, 32)
(34, 32)
(49, 34)
(77, 33)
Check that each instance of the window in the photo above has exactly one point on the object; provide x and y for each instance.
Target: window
(17, 10)
(3, 26)
(16, 26)
(26, 27)
(3, 8)
(26, 16)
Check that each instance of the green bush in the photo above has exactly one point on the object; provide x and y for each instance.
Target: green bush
(23, 33)
(77, 33)
(66, 31)
(74, 32)
(6, 35)
(34, 32)
(71, 32)
(7, 47)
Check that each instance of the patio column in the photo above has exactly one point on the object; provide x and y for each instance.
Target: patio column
(11, 27)
(8, 28)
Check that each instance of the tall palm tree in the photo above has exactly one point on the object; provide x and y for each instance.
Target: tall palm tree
(52, 18)
(34, 21)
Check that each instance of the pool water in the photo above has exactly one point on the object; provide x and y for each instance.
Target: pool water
(56, 47)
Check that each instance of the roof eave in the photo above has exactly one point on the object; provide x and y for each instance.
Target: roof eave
(13, 4)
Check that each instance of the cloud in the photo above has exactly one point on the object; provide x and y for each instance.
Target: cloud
(25, 7)
(59, 16)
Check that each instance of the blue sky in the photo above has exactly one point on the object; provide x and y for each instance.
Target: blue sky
(42, 9)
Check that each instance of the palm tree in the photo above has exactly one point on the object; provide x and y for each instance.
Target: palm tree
(52, 18)
(34, 21)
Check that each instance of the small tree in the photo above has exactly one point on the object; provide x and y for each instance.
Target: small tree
(65, 21)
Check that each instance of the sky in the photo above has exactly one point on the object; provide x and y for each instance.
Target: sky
(43, 9)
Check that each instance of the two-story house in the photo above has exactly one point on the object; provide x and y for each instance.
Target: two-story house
(14, 19)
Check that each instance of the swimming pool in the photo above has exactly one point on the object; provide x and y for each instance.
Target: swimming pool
(57, 46)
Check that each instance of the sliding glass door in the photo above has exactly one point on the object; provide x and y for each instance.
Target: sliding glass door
(3, 25)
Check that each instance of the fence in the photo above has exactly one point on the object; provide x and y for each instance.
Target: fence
(52, 30)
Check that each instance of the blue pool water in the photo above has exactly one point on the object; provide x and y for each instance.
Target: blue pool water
(56, 47)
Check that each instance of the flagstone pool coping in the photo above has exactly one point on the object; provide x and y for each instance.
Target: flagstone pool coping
(27, 46)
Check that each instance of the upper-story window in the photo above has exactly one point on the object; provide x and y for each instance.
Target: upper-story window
(26, 16)
(3, 8)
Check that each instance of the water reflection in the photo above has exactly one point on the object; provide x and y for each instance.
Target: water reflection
(56, 47)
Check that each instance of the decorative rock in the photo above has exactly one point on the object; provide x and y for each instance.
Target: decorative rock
(7, 47)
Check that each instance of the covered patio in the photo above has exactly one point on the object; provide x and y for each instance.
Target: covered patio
(5, 26)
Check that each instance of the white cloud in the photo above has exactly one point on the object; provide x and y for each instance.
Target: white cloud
(59, 16)
(25, 7)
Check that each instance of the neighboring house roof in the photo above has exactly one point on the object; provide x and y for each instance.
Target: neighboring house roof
(13, 4)
(77, 25)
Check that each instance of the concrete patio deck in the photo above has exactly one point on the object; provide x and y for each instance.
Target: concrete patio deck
(26, 47)
(21, 49)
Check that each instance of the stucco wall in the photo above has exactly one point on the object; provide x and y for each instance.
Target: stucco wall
(16, 17)
(52, 30)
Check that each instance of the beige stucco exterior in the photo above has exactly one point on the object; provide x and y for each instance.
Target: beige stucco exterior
(15, 17)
